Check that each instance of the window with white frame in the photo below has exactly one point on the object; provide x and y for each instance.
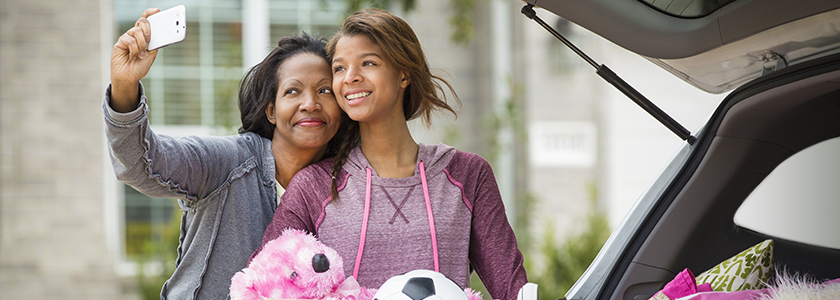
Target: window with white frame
(192, 89)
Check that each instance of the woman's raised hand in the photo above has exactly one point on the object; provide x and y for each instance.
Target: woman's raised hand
(130, 62)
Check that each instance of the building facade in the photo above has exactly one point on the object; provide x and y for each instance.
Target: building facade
(53, 241)
(554, 132)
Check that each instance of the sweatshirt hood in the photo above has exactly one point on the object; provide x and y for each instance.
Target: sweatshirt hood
(431, 161)
(434, 157)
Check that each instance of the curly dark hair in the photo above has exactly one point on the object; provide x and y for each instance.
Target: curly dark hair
(259, 85)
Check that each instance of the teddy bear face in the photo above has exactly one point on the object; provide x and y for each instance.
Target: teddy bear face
(293, 266)
(314, 268)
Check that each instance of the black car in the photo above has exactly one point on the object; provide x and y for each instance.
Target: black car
(766, 165)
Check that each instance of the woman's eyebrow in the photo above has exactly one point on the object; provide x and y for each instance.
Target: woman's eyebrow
(362, 55)
(292, 80)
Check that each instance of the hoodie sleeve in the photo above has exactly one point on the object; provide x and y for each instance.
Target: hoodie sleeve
(160, 166)
(494, 253)
(302, 204)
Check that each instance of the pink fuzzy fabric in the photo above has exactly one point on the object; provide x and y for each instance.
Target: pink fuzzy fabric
(472, 294)
(283, 270)
(786, 287)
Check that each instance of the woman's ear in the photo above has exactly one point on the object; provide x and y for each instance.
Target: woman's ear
(404, 79)
(269, 113)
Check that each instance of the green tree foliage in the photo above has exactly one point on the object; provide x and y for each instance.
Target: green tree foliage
(563, 263)
(226, 91)
(158, 253)
(510, 116)
(354, 5)
(461, 19)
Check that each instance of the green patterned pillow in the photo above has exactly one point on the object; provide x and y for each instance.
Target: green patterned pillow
(748, 270)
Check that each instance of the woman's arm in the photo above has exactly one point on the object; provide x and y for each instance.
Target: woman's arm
(494, 253)
(161, 166)
(301, 206)
(157, 165)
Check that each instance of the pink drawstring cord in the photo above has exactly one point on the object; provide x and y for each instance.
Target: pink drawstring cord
(364, 227)
(367, 214)
(431, 217)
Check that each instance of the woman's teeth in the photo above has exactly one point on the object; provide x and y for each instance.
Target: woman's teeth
(357, 95)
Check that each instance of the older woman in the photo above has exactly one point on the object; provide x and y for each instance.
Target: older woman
(227, 186)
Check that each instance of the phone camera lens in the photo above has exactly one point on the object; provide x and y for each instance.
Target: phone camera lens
(176, 23)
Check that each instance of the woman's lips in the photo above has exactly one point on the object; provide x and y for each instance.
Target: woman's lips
(356, 97)
(308, 122)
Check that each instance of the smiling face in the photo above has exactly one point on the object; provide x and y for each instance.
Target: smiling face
(304, 112)
(368, 87)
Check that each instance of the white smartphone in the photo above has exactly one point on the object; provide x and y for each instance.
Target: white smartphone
(168, 27)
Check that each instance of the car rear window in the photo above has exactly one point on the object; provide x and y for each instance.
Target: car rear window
(800, 199)
(687, 8)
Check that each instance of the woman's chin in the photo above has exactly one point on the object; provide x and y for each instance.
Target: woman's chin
(306, 142)
(314, 145)
(355, 113)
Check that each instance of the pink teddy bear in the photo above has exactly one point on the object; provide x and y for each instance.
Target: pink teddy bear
(296, 266)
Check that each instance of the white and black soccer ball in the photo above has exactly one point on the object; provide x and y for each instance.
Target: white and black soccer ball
(420, 285)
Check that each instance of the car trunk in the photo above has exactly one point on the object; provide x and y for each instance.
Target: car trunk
(781, 63)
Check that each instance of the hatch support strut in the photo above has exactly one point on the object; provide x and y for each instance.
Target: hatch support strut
(617, 82)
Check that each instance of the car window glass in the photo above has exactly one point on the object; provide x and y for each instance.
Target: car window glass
(800, 199)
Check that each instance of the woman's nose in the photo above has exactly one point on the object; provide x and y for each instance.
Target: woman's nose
(309, 103)
(352, 76)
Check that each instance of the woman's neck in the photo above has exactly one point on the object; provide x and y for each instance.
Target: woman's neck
(389, 148)
(289, 160)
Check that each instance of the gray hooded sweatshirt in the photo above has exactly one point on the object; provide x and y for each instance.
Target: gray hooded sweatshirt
(225, 187)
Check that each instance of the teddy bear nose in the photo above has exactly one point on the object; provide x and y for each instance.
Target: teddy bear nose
(320, 263)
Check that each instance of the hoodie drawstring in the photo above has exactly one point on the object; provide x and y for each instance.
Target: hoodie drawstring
(367, 214)
(364, 226)
(431, 217)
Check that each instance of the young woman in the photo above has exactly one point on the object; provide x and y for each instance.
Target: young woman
(227, 186)
(395, 205)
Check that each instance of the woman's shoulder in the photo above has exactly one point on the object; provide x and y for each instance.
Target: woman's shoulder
(252, 144)
(247, 141)
(444, 154)
(457, 163)
(441, 149)
(319, 170)
(251, 138)
(316, 174)
(467, 160)
(312, 180)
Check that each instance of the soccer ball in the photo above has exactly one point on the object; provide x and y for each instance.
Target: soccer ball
(420, 285)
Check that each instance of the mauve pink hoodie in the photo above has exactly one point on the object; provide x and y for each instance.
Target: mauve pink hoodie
(462, 198)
